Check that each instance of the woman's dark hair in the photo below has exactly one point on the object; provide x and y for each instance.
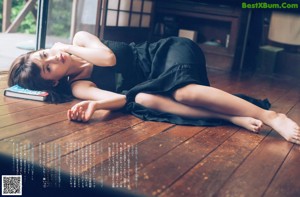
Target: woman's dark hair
(27, 74)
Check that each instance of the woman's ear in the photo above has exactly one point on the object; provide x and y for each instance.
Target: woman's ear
(55, 83)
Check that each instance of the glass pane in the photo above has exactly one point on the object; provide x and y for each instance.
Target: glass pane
(67, 17)
(84, 15)
(125, 5)
(123, 18)
(111, 19)
(113, 4)
(135, 20)
(18, 39)
(137, 5)
(89, 13)
(147, 6)
(59, 22)
(145, 20)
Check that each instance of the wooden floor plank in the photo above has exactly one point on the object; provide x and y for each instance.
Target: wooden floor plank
(162, 173)
(3, 85)
(254, 91)
(156, 147)
(131, 135)
(287, 180)
(19, 106)
(32, 113)
(98, 132)
(7, 100)
(30, 125)
(263, 163)
(58, 130)
(172, 160)
(258, 170)
(210, 174)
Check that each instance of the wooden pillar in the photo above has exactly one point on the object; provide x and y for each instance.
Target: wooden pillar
(27, 8)
(98, 18)
(73, 18)
(6, 14)
(103, 19)
(42, 20)
(33, 11)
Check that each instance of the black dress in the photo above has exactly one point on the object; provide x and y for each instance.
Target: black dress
(156, 68)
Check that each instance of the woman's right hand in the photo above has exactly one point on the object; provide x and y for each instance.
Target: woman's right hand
(60, 47)
(82, 111)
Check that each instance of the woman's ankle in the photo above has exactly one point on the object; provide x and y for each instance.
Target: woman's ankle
(268, 116)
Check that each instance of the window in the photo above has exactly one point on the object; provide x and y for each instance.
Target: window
(64, 18)
(17, 20)
(129, 13)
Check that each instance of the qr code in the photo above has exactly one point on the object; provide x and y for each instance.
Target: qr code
(11, 185)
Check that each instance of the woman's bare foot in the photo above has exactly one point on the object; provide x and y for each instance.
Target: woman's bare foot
(286, 127)
(249, 123)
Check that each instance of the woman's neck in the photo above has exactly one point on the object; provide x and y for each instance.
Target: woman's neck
(79, 68)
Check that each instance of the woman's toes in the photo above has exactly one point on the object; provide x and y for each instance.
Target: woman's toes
(256, 129)
(296, 139)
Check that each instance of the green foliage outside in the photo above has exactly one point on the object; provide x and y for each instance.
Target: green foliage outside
(59, 17)
(27, 25)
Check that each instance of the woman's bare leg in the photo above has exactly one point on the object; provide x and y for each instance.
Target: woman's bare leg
(222, 102)
(169, 105)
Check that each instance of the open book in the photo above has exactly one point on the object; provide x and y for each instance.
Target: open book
(19, 92)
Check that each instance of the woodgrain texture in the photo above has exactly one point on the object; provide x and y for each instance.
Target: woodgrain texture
(172, 160)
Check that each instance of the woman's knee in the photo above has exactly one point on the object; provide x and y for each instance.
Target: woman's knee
(147, 100)
(188, 93)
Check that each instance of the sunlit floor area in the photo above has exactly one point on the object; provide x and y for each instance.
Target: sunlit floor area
(15, 44)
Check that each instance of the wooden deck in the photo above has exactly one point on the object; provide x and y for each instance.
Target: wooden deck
(15, 44)
(9, 47)
(159, 159)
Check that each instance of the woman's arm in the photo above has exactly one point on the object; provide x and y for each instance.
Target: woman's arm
(89, 48)
(84, 110)
(98, 99)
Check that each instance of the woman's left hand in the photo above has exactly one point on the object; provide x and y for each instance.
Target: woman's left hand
(82, 111)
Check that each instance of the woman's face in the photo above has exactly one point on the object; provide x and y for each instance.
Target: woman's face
(54, 64)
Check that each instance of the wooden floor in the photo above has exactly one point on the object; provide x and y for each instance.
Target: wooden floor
(160, 159)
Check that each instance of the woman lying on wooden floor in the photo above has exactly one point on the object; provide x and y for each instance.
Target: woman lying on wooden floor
(161, 81)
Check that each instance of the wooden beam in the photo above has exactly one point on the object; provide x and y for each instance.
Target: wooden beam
(27, 8)
(104, 15)
(33, 11)
(73, 18)
(98, 18)
(6, 14)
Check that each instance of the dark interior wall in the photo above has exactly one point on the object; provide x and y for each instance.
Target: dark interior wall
(249, 40)
(126, 34)
(254, 40)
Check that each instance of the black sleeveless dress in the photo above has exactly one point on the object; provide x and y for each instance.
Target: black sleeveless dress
(156, 68)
